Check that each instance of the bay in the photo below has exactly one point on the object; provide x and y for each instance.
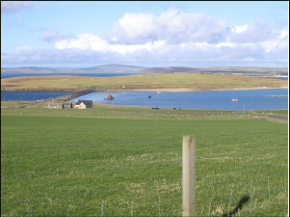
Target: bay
(220, 100)
(247, 99)
(30, 96)
(11, 75)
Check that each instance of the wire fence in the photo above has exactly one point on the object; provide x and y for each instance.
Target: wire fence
(218, 191)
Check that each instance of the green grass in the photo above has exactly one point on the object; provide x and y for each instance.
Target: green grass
(273, 112)
(15, 104)
(116, 161)
(129, 112)
(188, 81)
(120, 112)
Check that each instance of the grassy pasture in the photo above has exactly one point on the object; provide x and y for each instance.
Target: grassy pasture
(114, 161)
(188, 81)
(120, 112)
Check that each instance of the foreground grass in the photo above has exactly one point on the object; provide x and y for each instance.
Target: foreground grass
(101, 162)
(188, 81)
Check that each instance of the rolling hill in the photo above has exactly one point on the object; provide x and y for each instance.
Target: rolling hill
(128, 69)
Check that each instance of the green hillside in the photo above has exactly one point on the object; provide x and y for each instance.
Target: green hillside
(177, 81)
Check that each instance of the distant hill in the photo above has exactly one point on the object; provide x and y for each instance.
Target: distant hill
(29, 70)
(167, 70)
(112, 68)
(127, 69)
(246, 70)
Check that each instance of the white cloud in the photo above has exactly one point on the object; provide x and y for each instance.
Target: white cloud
(62, 44)
(280, 45)
(17, 6)
(151, 54)
(172, 26)
(283, 34)
(239, 29)
(24, 47)
(258, 31)
(14, 6)
(50, 35)
(135, 28)
(143, 38)
(53, 35)
(269, 45)
(84, 41)
(89, 41)
(125, 49)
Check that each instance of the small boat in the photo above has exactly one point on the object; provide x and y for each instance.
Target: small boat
(235, 99)
(149, 97)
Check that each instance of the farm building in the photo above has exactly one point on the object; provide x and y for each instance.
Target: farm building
(54, 105)
(67, 105)
(84, 104)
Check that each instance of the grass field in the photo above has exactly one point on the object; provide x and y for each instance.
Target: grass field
(115, 161)
(188, 81)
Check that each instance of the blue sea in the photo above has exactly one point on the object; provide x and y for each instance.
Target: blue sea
(30, 96)
(11, 75)
(247, 99)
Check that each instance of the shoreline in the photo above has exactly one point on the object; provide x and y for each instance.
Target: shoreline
(75, 94)
(149, 89)
(195, 90)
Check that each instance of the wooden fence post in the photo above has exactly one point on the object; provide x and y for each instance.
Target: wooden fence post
(188, 175)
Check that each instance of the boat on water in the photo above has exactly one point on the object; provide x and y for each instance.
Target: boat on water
(235, 99)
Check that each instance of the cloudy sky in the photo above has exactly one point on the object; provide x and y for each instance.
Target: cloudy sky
(149, 34)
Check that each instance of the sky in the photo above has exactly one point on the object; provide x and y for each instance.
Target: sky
(147, 34)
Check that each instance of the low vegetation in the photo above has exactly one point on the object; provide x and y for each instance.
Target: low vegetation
(125, 161)
(181, 81)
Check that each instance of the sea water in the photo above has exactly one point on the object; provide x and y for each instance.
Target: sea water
(246, 99)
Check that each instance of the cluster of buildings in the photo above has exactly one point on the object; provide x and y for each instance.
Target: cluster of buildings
(80, 104)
